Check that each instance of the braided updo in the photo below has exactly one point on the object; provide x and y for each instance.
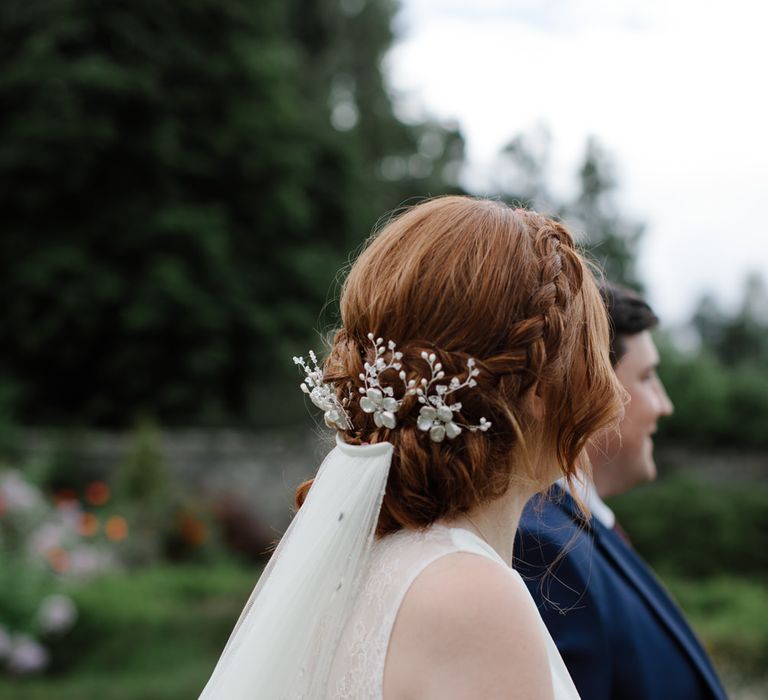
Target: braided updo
(463, 277)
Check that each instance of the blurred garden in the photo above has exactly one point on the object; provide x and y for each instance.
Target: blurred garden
(181, 184)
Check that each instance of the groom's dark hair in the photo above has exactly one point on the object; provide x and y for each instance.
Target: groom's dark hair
(628, 314)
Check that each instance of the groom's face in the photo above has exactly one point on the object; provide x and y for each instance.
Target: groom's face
(630, 459)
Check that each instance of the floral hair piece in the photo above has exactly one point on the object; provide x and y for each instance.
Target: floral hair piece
(378, 399)
(322, 394)
(436, 415)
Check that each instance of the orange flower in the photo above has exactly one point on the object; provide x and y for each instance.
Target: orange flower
(116, 528)
(88, 526)
(97, 493)
(192, 530)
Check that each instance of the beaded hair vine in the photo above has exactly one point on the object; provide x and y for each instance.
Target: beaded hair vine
(437, 412)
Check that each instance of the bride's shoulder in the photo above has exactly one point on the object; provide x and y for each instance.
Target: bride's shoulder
(464, 589)
(472, 621)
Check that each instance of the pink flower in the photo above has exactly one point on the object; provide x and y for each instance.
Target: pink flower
(27, 655)
(17, 494)
(56, 614)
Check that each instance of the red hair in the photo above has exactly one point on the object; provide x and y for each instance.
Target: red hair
(463, 277)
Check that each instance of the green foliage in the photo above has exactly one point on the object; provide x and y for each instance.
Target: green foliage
(41, 553)
(153, 635)
(143, 474)
(64, 466)
(164, 520)
(691, 528)
(23, 585)
(715, 404)
(144, 489)
(610, 239)
(9, 437)
(120, 648)
(709, 544)
(720, 390)
(740, 338)
(180, 184)
(698, 387)
(731, 615)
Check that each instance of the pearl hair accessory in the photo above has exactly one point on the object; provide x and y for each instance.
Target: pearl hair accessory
(379, 399)
(436, 415)
(322, 395)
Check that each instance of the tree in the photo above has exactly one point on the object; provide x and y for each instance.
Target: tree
(611, 239)
(740, 338)
(521, 171)
(343, 46)
(179, 186)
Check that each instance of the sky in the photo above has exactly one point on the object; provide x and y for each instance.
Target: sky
(675, 91)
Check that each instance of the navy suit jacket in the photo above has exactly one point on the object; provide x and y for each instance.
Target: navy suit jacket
(620, 634)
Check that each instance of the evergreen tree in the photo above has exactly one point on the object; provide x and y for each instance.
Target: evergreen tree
(612, 239)
(180, 181)
(521, 171)
(740, 338)
(609, 237)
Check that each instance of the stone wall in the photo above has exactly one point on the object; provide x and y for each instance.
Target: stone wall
(261, 469)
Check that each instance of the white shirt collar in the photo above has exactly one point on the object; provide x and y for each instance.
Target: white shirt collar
(586, 491)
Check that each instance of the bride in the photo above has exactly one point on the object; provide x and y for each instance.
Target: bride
(469, 372)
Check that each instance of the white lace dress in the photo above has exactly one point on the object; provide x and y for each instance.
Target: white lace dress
(358, 670)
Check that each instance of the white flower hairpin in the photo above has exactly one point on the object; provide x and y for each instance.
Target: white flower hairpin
(436, 415)
(377, 399)
(322, 394)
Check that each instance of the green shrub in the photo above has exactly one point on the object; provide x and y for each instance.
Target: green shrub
(153, 635)
(691, 527)
(731, 616)
(716, 405)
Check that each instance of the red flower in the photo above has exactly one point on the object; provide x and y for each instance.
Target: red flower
(97, 493)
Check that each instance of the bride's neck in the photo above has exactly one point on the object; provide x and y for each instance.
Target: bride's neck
(496, 521)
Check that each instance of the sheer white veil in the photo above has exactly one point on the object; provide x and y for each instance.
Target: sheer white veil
(284, 643)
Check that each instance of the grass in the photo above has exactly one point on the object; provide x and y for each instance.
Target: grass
(156, 634)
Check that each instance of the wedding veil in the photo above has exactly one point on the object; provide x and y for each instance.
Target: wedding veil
(283, 645)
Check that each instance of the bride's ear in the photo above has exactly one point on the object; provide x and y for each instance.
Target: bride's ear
(534, 398)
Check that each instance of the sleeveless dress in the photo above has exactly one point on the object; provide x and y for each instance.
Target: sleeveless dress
(397, 559)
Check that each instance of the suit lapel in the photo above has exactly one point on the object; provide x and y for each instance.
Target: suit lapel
(639, 575)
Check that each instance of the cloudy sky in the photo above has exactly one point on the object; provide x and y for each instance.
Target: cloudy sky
(676, 91)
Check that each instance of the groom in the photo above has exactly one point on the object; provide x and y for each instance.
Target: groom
(620, 634)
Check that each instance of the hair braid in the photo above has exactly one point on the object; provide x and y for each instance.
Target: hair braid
(463, 278)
